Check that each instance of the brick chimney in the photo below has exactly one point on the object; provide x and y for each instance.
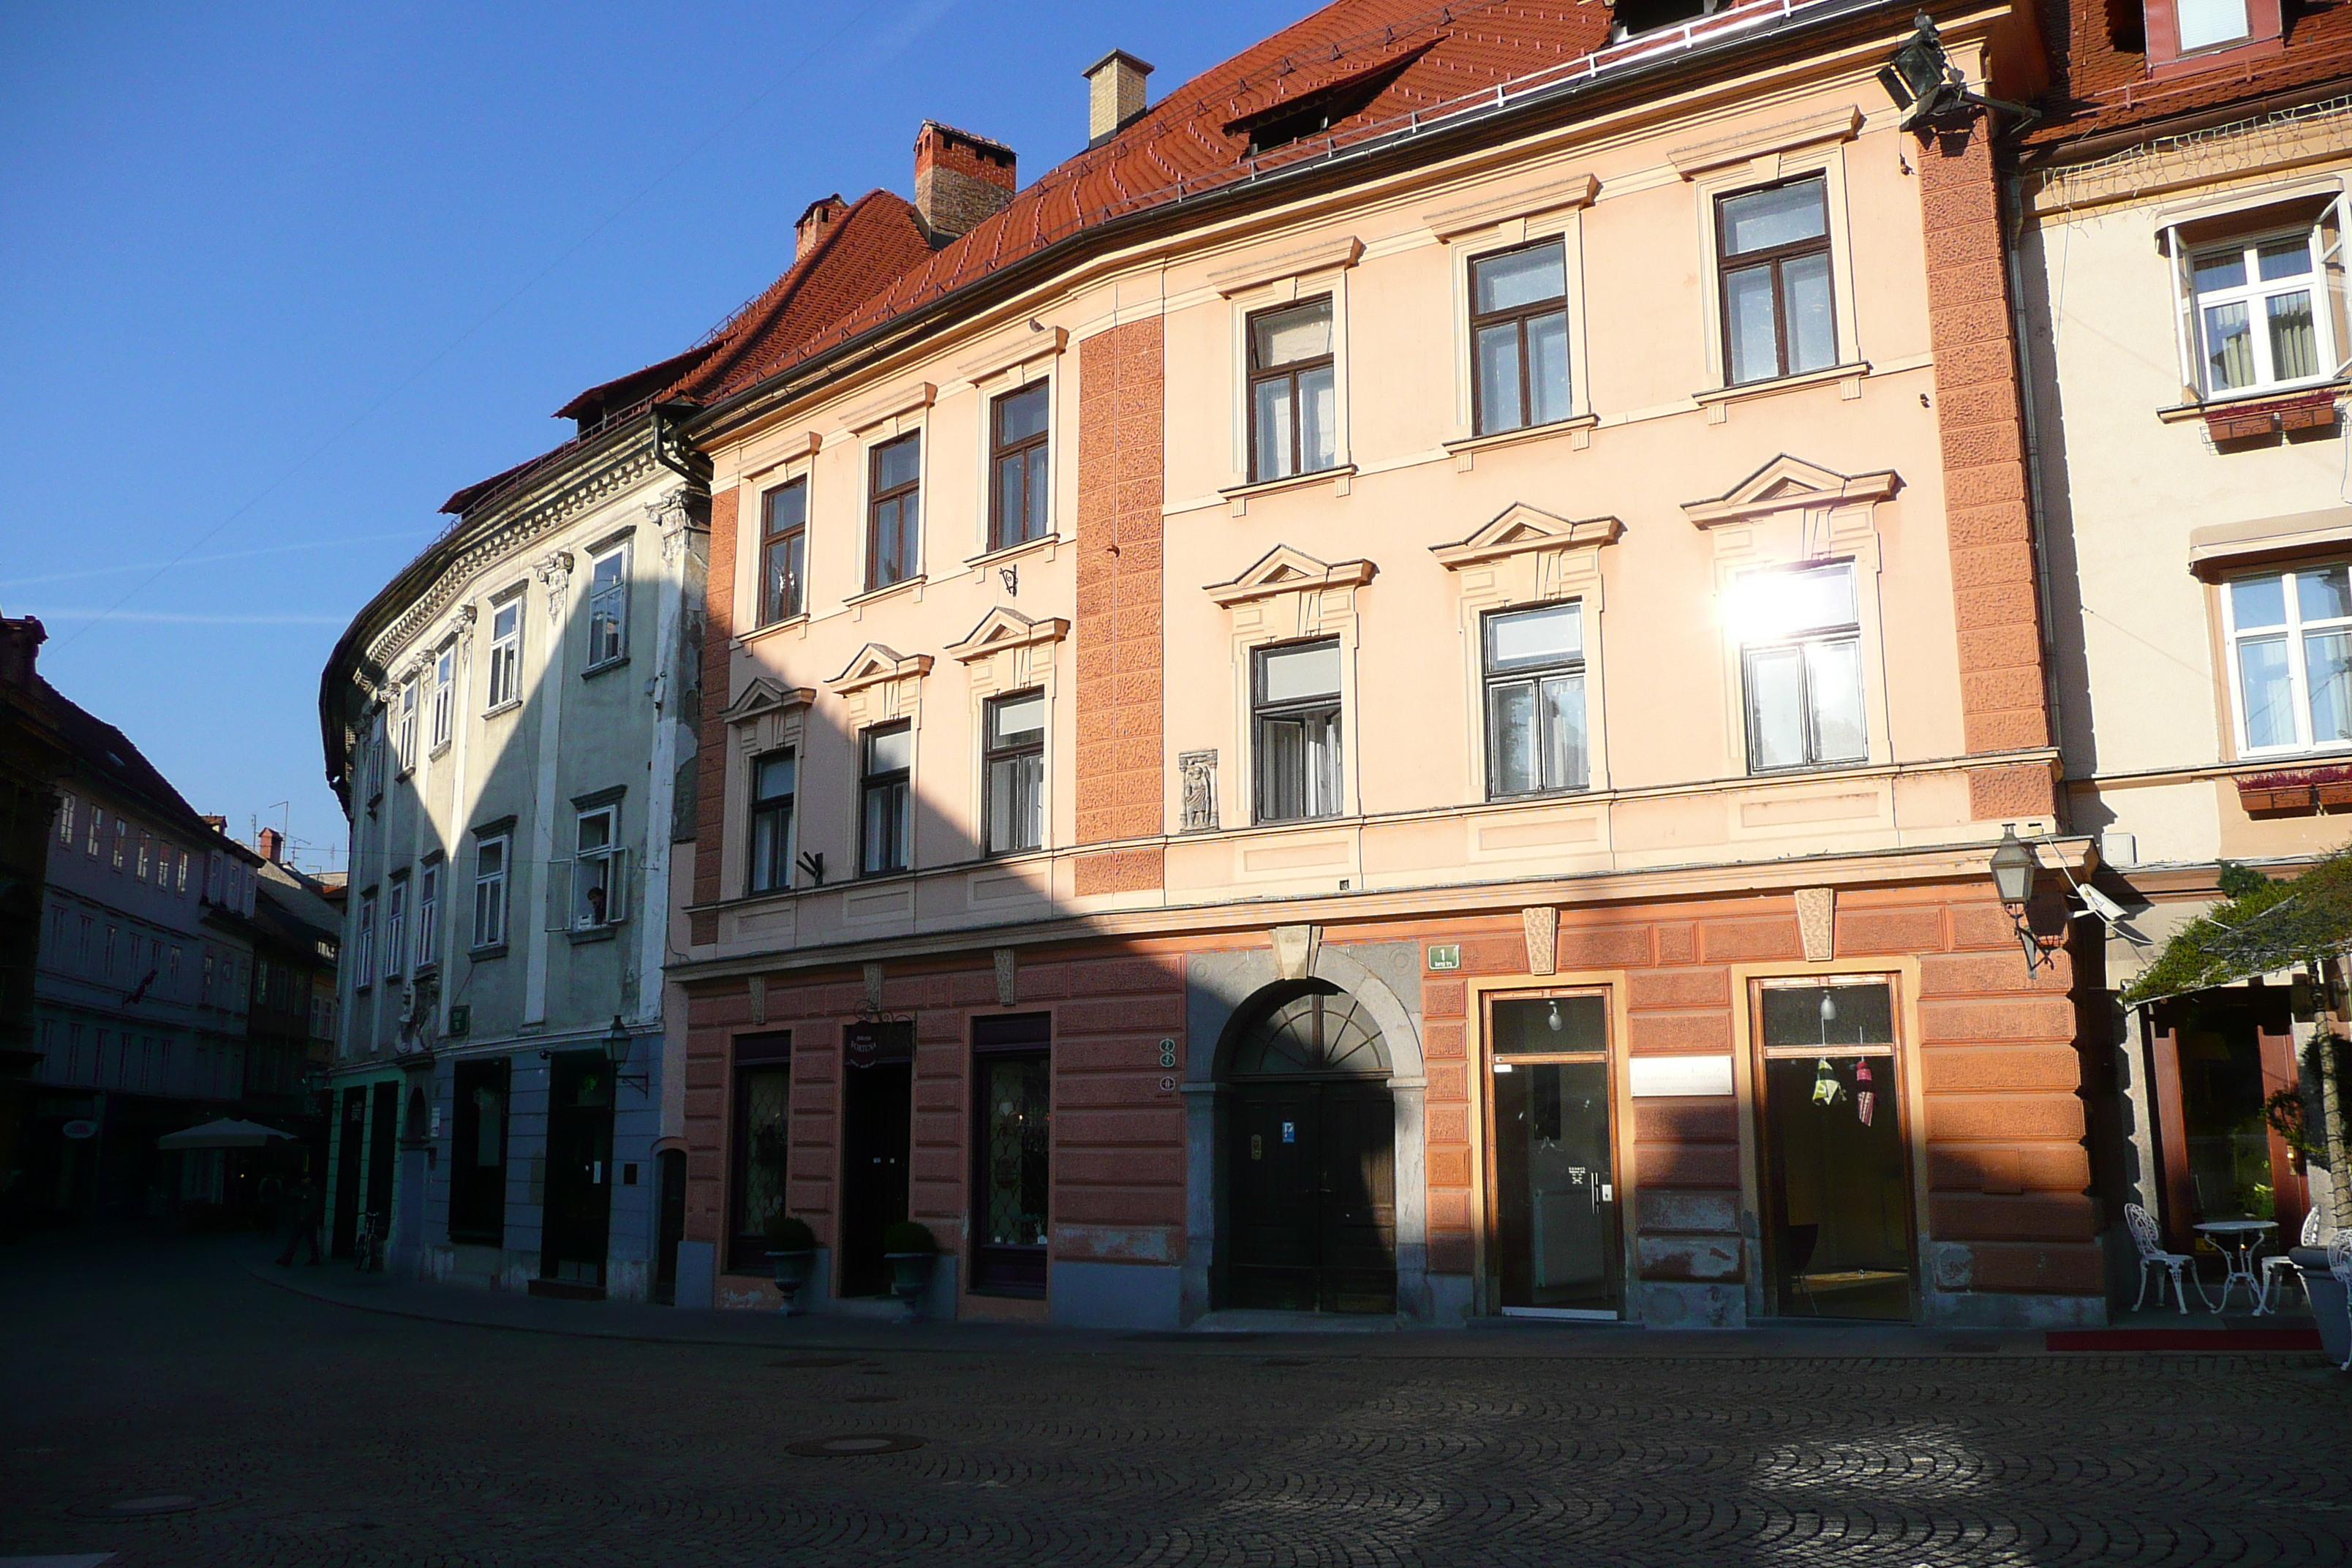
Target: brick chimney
(20, 646)
(272, 845)
(816, 222)
(1114, 94)
(961, 180)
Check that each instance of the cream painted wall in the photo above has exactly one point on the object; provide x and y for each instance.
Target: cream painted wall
(1670, 778)
(2138, 638)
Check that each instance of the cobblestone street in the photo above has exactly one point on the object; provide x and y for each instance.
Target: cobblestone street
(306, 1432)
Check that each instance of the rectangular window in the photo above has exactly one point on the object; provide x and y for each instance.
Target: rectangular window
(121, 839)
(762, 1145)
(445, 693)
(1293, 393)
(596, 871)
(1535, 701)
(428, 916)
(1017, 493)
(82, 948)
(181, 884)
(784, 553)
(1773, 253)
(885, 794)
(1519, 333)
(1297, 720)
(1012, 1154)
(376, 748)
(362, 957)
(113, 935)
(506, 652)
(2256, 321)
(608, 607)
(66, 820)
(2291, 639)
(395, 928)
(773, 778)
(894, 514)
(490, 891)
(172, 971)
(1801, 664)
(1015, 763)
(97, 830)
(406, 745)
(477, 1153)
(146, 853)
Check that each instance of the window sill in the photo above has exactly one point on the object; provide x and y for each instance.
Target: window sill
(987, 561)
(2201, 408)
(439, 751)
(405, 775)
(488, 950)
(1470, 445)
(1713, 396)
(799, 622)
(905, 585)
(1340, 478)
(607, 667)
(509, 706)
(581, 938)
(1811, 770)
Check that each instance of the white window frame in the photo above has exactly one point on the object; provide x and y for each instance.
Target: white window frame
(505, 653)
(1261, 711)
(751, 867)
(2255, 294)
(363, 948)
(445, 694)
(2298, 673)
(616, 599)
(429, 917)
(2328, 228)
(405, 744)
(604, 867)
(490, 892)
(395, 926)
(66, 821)
(1582, 666)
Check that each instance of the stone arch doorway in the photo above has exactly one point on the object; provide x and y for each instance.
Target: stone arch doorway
(1310, 1155)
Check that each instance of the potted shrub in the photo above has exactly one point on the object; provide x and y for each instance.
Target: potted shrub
(913, 1252)
(791, 1249)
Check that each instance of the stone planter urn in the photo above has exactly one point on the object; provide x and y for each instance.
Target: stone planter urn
(912, 1253)
(793, 1272)
(2326, 1294)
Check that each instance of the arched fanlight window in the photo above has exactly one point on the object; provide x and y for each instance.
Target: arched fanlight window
(1322, 1030)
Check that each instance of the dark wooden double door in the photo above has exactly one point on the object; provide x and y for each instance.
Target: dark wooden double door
(1311, 1196)
(579, 1213)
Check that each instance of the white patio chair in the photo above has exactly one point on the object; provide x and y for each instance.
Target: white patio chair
(2339, 1263)
(2152, 1257)
(2279, 1267)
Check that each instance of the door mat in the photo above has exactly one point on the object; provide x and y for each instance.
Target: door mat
(2215, 1340)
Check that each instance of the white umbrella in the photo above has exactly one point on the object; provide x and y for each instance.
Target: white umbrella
(226, 1133)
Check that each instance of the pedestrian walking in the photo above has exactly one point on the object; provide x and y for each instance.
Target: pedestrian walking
(309, 1214)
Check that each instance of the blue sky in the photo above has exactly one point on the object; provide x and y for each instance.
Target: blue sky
(278, 278)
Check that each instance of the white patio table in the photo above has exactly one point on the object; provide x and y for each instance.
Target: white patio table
(2237, 1239)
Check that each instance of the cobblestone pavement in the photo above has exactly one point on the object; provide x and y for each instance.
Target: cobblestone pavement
(308, 1433)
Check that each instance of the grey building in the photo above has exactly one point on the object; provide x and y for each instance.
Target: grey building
(507, 724)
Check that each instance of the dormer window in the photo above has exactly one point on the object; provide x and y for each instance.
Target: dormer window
(2186, 36)
(2207, 23)
(1631, 17)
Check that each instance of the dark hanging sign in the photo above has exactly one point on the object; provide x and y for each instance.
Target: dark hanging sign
(870, 1044)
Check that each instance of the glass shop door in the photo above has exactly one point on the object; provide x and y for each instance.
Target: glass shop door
(1555, 1245)
(1838, 1239)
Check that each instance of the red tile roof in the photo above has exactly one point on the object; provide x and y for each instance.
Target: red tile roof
(2100, 87)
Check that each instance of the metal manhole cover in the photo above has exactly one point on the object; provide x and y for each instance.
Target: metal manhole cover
(856, 1446)
(813, 1362)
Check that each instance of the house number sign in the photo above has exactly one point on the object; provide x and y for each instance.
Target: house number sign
(1446, 956)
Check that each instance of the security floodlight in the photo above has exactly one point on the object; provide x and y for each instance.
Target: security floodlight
(1918, 73)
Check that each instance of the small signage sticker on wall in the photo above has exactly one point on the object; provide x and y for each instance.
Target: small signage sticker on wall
(1290, 1132)
(1446, 956)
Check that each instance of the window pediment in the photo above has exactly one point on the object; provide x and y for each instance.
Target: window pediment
(875, 664)
(763, 697)
(1283, 570)
(1003, 629)
(1790, 484)
(1523, 529)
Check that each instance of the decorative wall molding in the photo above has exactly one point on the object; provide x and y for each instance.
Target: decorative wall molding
(1574, 191)
(1272, 267)
(1541, 923)
(1817, 923)
(875, 664)
(1024, 344)
(554, 574)
(1746, 146)
(1283, 570)
(1002, 630)
(1522, 529)
(1790, 484)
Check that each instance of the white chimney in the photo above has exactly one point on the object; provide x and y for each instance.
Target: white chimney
(1114, 94)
